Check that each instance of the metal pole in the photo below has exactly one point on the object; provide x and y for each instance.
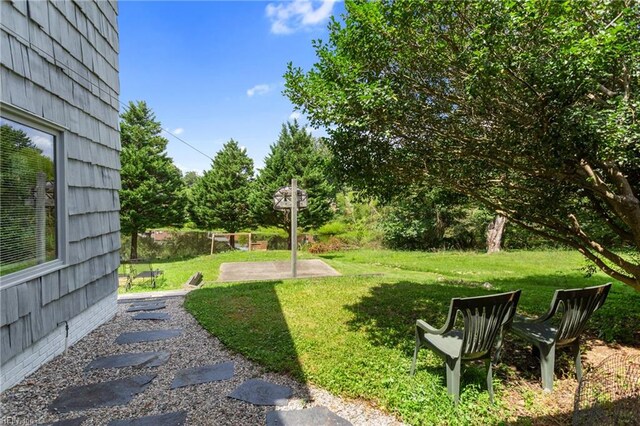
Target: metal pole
(294, 227)
(41, 216)
(213, 241)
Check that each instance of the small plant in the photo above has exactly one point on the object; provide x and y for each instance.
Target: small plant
(334, 244)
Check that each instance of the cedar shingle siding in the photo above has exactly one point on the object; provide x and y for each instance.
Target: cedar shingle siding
(60, 62)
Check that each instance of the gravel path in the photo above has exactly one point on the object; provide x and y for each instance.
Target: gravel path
(206, 404)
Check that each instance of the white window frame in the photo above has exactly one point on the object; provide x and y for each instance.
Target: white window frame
(24, 117)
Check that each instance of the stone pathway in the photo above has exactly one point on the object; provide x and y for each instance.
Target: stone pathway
(172, 376)
(316, 416)
(103, 394)
(155, 316)
(118, 392)
(147, 306)
(147, 336)
(170, 419)
(259, 392)
(141, 359)
(199, 375)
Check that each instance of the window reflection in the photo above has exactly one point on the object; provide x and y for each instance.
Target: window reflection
(27, 197)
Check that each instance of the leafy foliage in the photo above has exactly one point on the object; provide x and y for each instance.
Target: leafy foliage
(432, 219)
(220, 197)
(529, 107)
(152, 193)
(20, 163)
(297, 155)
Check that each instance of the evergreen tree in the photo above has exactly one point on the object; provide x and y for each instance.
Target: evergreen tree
(190, 178)
(296, 155)
(220, 197)
(152, 193)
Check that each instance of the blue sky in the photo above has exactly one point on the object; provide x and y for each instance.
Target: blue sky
(212, 70)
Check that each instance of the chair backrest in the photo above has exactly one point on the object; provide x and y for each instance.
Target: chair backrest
(577, 306)
(484, 318)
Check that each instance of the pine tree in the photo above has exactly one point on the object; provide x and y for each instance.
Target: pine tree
(220, 197)
(152, 193)
(296, 155)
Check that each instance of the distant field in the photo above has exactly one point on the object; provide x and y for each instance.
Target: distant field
(353, 335)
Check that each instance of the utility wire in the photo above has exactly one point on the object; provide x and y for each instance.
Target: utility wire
(65, 67)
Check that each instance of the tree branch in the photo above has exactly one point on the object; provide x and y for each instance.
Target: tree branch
(627, 279)
(607, 254)
(597, 206)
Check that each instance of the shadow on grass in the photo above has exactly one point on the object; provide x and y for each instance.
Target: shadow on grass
(331, 256)
(248, 318)
(389, 312)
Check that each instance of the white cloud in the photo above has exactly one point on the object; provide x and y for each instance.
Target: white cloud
(173, 132)
(295, 115)
(184, 169)
(289, 17)
(259, 89)
(45, 143)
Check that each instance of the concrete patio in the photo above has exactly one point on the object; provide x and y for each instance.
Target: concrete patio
(254, 271)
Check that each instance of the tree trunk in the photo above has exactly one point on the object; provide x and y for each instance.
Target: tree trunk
(134, 246)
(232, 241)
(495, 230)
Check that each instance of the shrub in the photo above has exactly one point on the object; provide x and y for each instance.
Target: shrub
(334, 244)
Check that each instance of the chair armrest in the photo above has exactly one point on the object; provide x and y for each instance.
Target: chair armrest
(428, 328)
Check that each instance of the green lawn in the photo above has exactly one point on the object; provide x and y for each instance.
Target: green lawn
(176, 272)
(353, 335)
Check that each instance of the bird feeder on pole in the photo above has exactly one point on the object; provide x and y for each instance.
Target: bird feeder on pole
(294, 199)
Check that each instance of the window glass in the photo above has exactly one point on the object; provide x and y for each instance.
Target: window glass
(27, 197)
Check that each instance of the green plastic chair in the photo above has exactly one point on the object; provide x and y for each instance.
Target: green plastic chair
(484, 319)
(573, 307)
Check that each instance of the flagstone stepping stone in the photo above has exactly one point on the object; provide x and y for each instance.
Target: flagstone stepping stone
(316, 416)
(141, 359)
(104, 394)
(147, 336)
(147, 306)
(259, 392)
(157, 316)
(205, 374)
(69, 422)
(170, 419)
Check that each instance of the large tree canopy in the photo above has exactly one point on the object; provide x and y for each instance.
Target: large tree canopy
(152, 193)
(296, 155)
(531, 107)
(220, 197)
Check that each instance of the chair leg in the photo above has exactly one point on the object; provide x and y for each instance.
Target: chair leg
(547, 364)
(497, 354)
(453, 378)
(489, 365)
(578, 361)
(415, 353)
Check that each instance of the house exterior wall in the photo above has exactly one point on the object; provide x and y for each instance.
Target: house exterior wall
(59, 62)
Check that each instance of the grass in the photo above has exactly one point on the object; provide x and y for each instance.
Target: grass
(353, 335)
(177, 271)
